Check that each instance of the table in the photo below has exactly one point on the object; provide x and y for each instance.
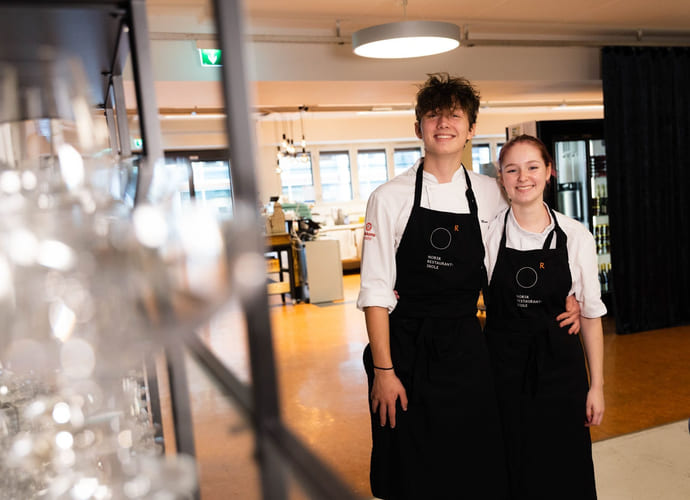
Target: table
(281, 244)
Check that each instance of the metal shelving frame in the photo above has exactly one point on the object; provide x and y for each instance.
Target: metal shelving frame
(103, 33)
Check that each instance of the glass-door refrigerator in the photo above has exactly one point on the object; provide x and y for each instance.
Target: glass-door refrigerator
(580, 188)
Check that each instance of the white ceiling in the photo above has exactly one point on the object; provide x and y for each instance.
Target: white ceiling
(631, 14)
(531, 51)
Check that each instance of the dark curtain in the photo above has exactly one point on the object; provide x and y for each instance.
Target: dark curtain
(647, 132)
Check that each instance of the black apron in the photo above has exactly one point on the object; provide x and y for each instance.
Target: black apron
(447, 444)
(540, 373)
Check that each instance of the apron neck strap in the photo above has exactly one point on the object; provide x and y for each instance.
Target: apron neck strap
(469, 194)
(561, 238)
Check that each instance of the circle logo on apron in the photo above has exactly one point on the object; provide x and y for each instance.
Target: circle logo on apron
(440, 238)
(526, 277)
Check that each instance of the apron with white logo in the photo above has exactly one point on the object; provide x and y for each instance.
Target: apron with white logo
(540, 374)
(447, 444)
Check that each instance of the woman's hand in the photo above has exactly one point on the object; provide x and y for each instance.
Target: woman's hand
(386, 390)
(595, 406)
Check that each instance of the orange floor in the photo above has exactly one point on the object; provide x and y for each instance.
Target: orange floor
(323, 390)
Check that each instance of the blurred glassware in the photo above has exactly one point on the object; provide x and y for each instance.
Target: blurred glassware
(89, 287)
(50, 135)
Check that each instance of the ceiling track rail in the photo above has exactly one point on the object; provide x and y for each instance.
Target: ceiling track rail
(628, 38)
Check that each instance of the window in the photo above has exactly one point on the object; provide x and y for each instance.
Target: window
(405, 158)
(372, 170)
(499, 146)
(297, 178)
(209, 183)
(212, 184)
(481, 155)
(336, 181)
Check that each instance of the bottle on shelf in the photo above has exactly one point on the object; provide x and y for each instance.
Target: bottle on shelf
(603, 279)
(601, 237)
(608, 276)
(605, 238)
(603, 201)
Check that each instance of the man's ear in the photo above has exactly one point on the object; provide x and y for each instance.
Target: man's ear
(418, 130)
(471, 132)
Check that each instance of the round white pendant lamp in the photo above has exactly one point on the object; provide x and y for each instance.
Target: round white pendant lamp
(406, 39)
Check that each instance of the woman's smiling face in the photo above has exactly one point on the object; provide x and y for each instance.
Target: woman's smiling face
(524, 173)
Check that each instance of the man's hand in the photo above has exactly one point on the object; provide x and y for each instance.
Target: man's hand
(571, 316)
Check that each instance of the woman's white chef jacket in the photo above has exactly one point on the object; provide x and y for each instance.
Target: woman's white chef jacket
(582, 256)
(388, 210)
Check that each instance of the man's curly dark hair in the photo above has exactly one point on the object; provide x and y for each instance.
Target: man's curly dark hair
(442, 91)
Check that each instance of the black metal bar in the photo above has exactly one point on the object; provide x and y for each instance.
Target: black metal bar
(231, 386)
(115, 96)
(146, 97)
(154, 401)
(121, 117)
(229, 26)
(313, 475)
(112, 131)
(246, 220)
(179, 402)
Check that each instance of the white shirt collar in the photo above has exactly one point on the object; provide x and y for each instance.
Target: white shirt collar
(529, 234)
(458, 174)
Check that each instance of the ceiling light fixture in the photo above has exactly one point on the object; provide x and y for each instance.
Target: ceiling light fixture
(406, 39)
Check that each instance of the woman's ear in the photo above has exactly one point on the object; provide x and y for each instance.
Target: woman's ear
(549, 173)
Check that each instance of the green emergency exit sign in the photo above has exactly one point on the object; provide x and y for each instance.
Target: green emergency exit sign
(211, 58)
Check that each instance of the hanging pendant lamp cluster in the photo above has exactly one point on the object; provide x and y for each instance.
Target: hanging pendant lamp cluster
(286, 148)
(406, 39)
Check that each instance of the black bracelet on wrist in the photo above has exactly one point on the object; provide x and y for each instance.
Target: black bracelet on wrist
(380, 368)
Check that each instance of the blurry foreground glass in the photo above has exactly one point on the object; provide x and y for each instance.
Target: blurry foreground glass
(88, 288)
